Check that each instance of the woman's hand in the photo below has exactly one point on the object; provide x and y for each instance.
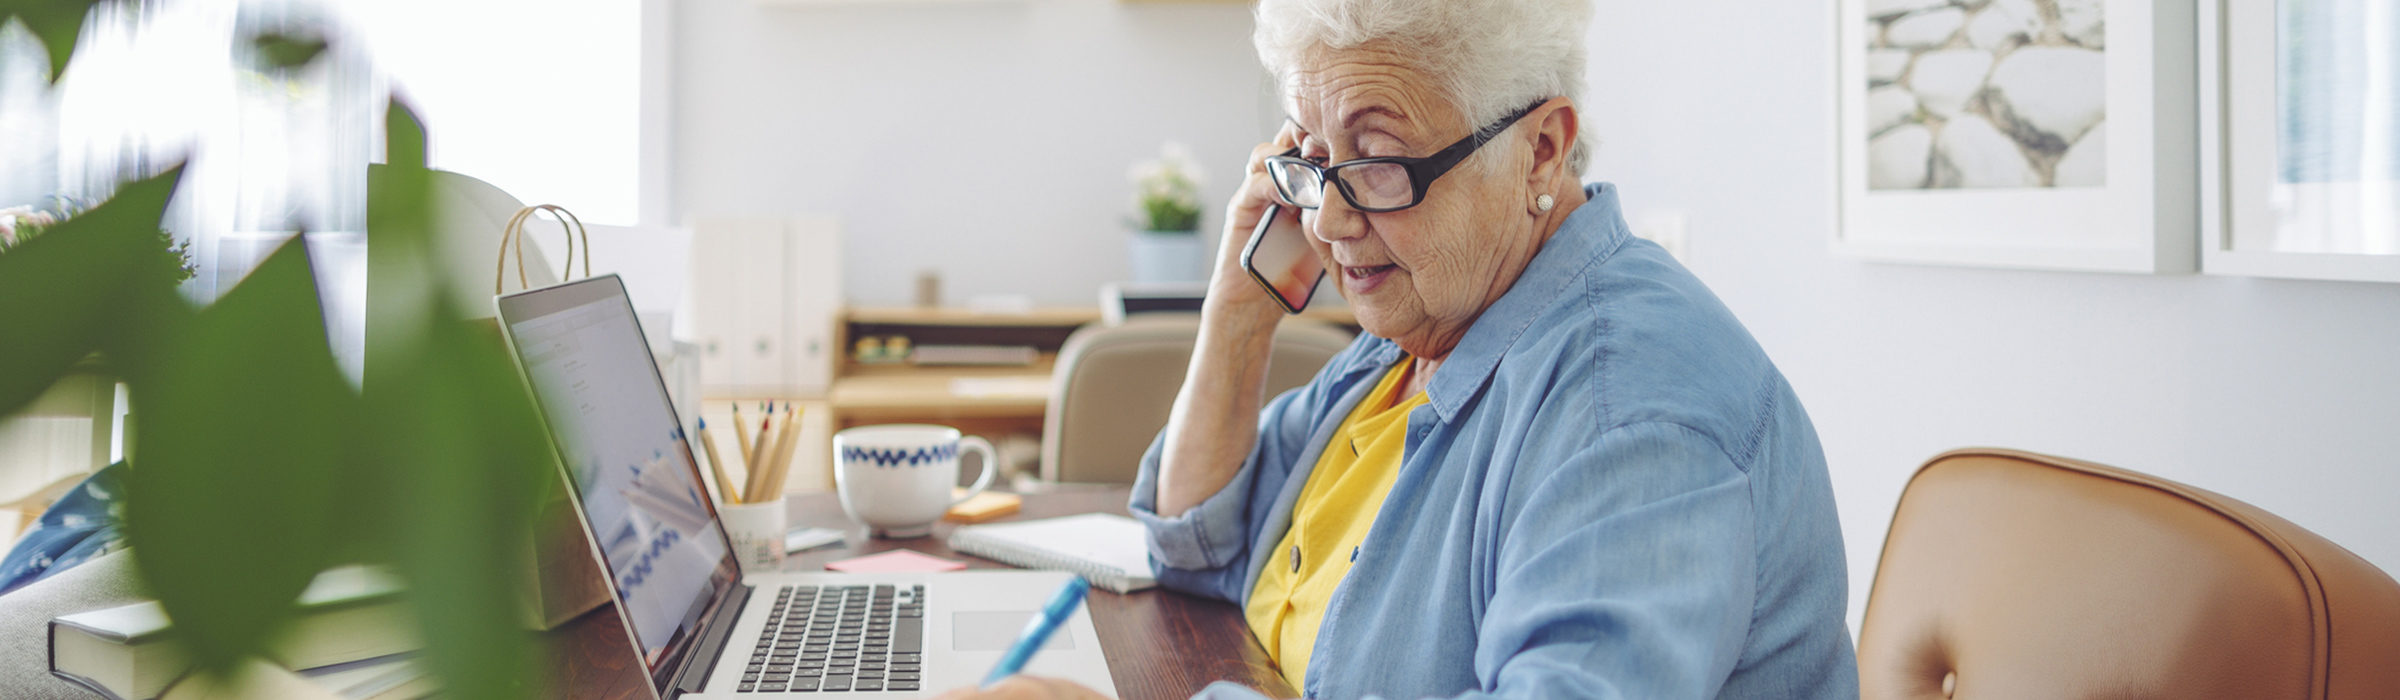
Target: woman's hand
(1025, 688)
(1230, 284)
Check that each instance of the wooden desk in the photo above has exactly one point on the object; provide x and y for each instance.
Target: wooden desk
(1159, 643)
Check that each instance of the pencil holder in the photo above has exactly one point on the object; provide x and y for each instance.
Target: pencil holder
(757, 533)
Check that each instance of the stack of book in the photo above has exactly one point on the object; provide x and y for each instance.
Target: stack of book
(353, 637)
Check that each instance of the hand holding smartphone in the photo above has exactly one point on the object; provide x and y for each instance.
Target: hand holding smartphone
(1279, 259)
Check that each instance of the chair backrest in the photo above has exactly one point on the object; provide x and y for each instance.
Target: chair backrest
(2016, 575)
(1114, 386)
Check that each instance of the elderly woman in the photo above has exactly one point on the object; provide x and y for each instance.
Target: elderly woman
(1555, 466)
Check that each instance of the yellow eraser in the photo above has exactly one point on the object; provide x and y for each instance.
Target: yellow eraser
(985, 506)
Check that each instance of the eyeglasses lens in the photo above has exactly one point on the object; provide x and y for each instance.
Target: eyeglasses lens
(1299, 183)
(1378, 185)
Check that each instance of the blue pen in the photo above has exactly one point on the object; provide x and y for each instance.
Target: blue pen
(1037, 631)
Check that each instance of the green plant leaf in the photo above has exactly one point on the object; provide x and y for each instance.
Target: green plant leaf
(86, 283)
(245, 422)
(458, 424)
(57, 23)
(452, 424)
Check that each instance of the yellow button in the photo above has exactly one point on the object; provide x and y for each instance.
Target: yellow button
(1295, 559)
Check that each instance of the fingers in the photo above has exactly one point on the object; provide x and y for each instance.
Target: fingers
(1231, 286)
(1261, 189)
(1024, 688)
(1021, 688)
(1258, 158)
(1257, 188)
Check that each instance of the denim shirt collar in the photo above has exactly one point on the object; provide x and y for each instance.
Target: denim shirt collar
(1588, 236)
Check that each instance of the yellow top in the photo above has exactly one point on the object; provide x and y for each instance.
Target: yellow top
(1335, 509)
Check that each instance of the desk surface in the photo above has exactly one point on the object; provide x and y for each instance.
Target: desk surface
(1159, 643)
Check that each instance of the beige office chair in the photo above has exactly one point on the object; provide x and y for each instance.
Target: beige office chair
(2016, 575)
(1115, 384)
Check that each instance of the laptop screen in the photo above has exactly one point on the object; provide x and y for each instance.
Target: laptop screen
(621, 446)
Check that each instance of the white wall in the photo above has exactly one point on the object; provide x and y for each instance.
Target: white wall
(2284, 394)
(988, 140)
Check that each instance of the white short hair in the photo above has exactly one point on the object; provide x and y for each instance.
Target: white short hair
(1490, 57)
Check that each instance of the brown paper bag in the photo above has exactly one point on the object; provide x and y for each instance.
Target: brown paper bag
(566, 580)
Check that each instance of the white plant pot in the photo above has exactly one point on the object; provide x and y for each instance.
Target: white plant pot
(1167, 256)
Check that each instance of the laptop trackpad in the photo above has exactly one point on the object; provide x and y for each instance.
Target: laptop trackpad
(995, 630)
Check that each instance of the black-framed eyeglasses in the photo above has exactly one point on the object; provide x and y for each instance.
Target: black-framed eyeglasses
(1378, 185)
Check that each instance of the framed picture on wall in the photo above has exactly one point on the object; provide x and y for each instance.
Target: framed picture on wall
(2049, 134)
(2306, 144)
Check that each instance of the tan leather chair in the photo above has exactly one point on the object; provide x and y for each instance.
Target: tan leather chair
(2017, 575)
(1114, 386)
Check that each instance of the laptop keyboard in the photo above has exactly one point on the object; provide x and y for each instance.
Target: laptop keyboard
(839, 638)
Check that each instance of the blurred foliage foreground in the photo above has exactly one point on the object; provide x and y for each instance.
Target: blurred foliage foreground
(256, 464)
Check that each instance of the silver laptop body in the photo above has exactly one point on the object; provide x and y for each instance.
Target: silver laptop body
(702, 629)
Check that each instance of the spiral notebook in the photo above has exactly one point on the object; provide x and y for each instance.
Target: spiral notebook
(1108, 550)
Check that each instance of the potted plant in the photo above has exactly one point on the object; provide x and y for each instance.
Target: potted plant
(20, 224)
(1166, 240)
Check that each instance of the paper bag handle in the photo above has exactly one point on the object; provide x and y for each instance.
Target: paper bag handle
(567, 220)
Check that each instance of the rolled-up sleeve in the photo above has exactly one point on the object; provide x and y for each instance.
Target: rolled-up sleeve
(1206, 550)
(1209, 535)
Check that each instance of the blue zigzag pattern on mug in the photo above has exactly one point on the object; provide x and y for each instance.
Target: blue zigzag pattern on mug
(898, 457)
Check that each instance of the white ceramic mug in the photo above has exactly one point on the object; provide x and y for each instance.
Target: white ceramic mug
(896, 479)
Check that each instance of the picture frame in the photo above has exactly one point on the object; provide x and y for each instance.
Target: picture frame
(2264, 216)
(1959, 122)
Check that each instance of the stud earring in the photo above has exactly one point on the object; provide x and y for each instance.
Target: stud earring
(1544, 202)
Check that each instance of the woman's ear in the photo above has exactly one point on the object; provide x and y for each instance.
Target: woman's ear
(1554, 131)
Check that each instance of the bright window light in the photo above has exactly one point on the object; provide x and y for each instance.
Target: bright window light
(541, 98)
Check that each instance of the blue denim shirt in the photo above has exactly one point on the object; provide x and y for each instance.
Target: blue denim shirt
(1611, 493)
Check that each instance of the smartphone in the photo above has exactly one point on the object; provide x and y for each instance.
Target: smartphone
(1278, 258)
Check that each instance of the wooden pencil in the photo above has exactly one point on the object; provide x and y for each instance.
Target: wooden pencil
(741, 434)
(757, 464)
(755, 483)
(780, 470)
(716, 466)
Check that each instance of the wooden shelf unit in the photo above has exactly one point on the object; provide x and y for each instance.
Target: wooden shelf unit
(978, 400)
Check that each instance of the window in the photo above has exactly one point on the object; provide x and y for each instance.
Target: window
(538, 97)
(542, 98)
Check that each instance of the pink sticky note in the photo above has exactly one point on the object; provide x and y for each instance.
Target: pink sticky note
(896, 561)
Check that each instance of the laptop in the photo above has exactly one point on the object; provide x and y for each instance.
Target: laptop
(702, 629)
